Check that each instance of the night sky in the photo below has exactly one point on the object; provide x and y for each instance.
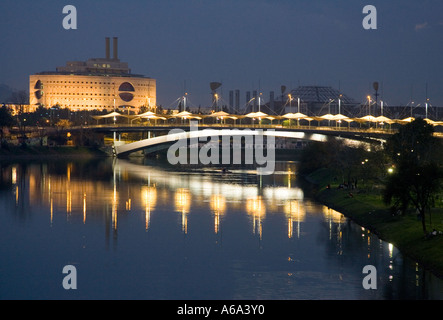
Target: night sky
(245, 44)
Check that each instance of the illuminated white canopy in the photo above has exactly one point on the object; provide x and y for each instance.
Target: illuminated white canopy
(110, 115)
(297, 115)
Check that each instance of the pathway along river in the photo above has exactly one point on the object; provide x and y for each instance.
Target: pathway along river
(143, 230)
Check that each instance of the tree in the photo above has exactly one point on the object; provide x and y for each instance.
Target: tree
(317, 155)
(6, 119)
(20, 98)
(416, 179)
(143, 109)
(64, 123)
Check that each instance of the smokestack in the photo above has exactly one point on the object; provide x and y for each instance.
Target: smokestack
(115, 48)
(108, 49)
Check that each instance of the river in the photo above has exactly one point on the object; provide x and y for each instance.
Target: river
(141, 229)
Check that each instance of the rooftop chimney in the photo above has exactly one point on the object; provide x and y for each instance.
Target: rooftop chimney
(108, 49)
(115, 48)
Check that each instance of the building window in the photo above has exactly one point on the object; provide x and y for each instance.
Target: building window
(126, 86)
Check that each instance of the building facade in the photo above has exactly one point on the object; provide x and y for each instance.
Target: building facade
(97, 84)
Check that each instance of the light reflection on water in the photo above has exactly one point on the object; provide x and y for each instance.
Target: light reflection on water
(148, 231)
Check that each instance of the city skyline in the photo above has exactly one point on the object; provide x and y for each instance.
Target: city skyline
(246, 45)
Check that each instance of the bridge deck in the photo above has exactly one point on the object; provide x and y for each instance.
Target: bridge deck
(301, 133)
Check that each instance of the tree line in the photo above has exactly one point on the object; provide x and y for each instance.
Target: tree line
(407, 169)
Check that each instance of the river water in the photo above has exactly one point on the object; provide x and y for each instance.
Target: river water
(140, 229)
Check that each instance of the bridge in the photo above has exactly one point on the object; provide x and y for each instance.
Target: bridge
(167, 129)
(186, 132)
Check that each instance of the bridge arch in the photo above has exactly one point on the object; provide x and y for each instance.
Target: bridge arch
(179, 134)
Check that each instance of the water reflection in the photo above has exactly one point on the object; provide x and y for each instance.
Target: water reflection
(218, 208)
(295, 213)
(79, 191)
(65, 192)
(149, 196)
(183, 206)
(125, 195)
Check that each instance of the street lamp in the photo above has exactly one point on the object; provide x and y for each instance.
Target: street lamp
(298, 104)
(184, 101)
(339, 104)
(369, 105)
(329, 110)
(259, 104)
(290, 102)
(427, 101)
(216, 101)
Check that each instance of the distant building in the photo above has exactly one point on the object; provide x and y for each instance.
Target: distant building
(96, 84)
(272, 100)
(313, 101)
(248, 97)
(237, 100)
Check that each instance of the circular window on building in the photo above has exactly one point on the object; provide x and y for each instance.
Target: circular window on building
(126, 96)
(126, 86)
(38, 85)
(38, 94)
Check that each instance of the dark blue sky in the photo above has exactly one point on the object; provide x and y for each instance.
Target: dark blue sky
(242, 43)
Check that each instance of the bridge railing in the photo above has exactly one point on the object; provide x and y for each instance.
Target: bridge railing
(379, 130)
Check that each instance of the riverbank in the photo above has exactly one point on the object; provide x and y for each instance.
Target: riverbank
(65, 152)
(367, 209)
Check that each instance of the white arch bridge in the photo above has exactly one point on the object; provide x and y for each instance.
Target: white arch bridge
(161, 142)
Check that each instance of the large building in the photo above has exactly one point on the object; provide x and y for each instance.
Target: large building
(97, 84)
(314, 100)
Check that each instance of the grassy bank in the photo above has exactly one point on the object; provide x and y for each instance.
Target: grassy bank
(12, 153)
(366, 208)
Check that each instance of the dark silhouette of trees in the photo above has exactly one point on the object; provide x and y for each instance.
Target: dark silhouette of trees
(353, 166)
(416, 180)
(6, 120)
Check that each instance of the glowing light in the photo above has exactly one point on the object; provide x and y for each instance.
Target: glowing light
(391, 249)
(68, 172)
(68, 201)
(332, 215)
(149, 196)
(256, 208)
(52, 210)
(14, 175)
(114, 208)
(128, 204)
(84, 208)
(295, 212)
(183, 205)
(218, 206)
